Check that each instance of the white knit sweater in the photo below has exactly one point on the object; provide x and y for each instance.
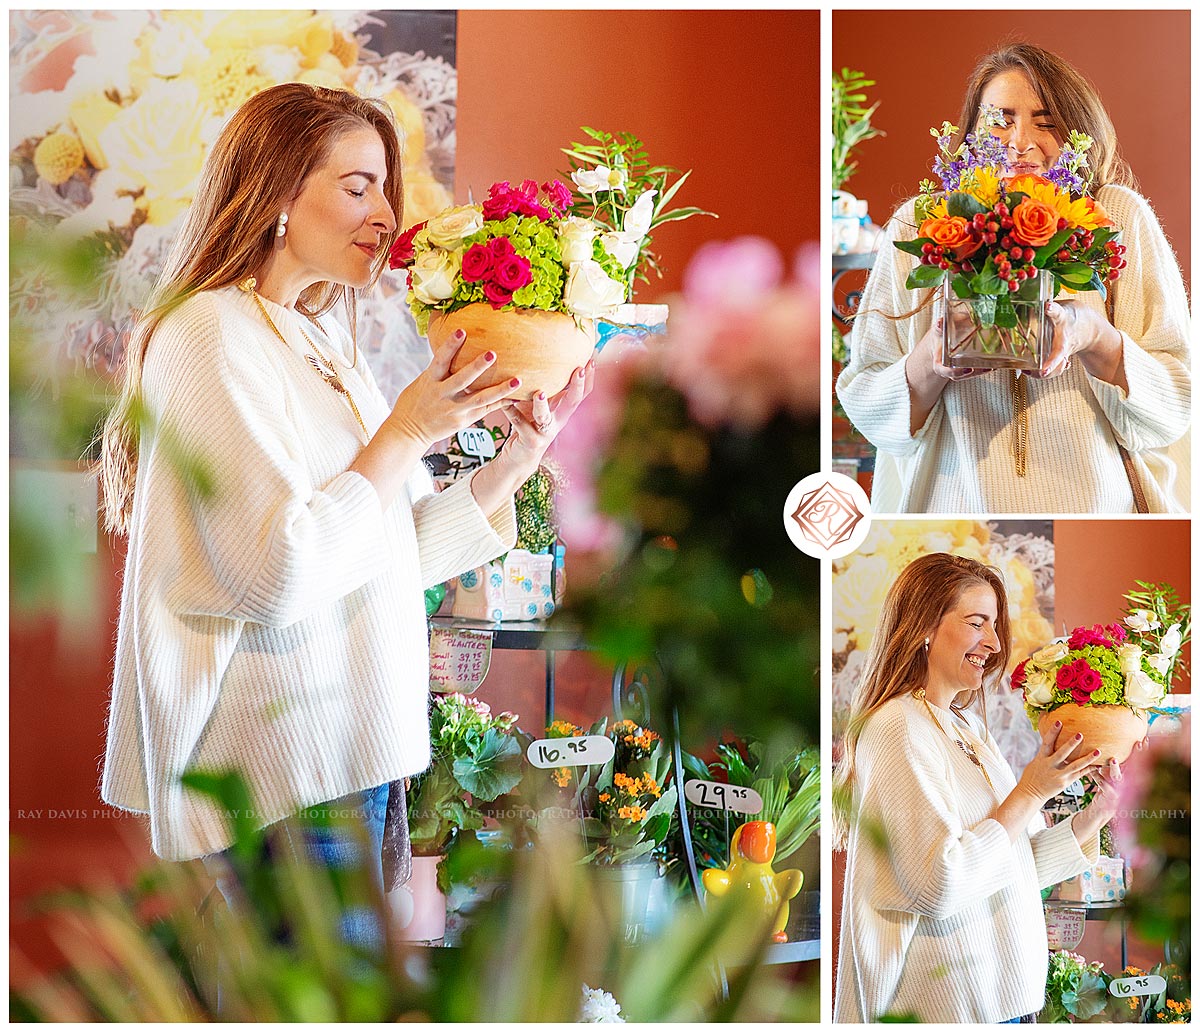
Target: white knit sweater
(944, 917)
(278, 625)
(961, 459)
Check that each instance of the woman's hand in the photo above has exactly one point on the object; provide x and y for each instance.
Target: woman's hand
(1081, 331)
(439, 403)
(534, 426)
(927, 375)
(1103, 805)
(1049, 773)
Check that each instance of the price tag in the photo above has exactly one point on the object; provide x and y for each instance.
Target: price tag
(477, 441)
(570, 752)
(725, 796)
(1127, 987)
(458, 659)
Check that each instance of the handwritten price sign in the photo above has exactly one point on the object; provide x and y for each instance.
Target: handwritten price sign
(1127, 987)
(458, 659)
(477, 441)
(725, 796)
(570, 752)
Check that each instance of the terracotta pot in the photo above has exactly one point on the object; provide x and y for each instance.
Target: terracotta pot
(418, 907)
(542, 348)
(1110, 728)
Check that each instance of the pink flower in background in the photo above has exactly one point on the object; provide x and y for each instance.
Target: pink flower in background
(1137, 779)
(744, 344)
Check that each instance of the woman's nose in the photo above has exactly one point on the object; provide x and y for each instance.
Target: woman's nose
(1019, 138)
(383, 218)
(992, 641)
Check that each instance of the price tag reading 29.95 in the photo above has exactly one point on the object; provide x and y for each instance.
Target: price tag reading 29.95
(725, 796)
(570, 751)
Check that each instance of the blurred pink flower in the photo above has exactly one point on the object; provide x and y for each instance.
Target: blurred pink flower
(1137, 776)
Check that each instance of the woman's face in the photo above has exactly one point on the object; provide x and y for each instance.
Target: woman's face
(1030, 135)
(964, 640)
(335, 222)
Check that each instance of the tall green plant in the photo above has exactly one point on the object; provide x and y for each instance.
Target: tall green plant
(851, 121)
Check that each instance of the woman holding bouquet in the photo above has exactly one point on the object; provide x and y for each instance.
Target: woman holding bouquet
(1102, 429)
(272, 620)
(947, 848)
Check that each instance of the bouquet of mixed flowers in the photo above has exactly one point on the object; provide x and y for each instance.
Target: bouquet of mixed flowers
(994, 235)
(1128, 664)
(525, 247)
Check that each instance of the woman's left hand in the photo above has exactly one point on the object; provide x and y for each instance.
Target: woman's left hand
(1080, 331)
(1104, 803)
(536, 424)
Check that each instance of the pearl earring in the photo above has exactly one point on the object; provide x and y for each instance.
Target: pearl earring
(280, 229)
(927, 644)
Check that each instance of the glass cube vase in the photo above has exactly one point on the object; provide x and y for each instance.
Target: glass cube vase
(1004, 332)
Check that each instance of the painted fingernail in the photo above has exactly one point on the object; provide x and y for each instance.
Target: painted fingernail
(1079, 736)
(1095, 753)
(460, 334)
(489, 356)
(1058, 725)
(515, 382)
(541, 396)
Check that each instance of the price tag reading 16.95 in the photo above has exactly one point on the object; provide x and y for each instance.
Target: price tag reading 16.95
(1126, 987)
(570, 751)
(725, 796)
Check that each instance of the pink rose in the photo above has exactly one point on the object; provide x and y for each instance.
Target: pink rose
(558, 196)
(1094, 636)
(497, 295)
(477, 262)
(513, 273)
(1089, 679)
(1068, 676)
(1081, 696)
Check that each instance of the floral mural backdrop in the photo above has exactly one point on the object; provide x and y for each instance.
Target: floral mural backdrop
(1023, 551)
(112, 113)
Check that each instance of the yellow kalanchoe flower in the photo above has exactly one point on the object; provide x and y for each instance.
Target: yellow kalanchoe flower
(58, 157)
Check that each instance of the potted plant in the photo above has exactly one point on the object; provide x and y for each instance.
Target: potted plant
(1102, 681)
(1001, 247)
(851, 127)
(1075, 989)
(525, 276)
(1173, 1004)
(476, 759)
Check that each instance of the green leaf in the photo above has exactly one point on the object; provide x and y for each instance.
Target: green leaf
(924, 276)
(912, 247)
(1006, 315)
(1047, 251)
(1089, 998)
(665, 197)
(963, 205)
(678, 215)
(1074, 273)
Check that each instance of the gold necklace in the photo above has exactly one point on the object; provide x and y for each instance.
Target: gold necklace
(318, 362)
(966, 748)
(1020, 400)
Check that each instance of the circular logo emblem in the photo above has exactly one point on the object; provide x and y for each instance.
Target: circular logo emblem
(827, 516)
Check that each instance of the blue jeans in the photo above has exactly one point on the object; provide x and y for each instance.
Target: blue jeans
(334, 848)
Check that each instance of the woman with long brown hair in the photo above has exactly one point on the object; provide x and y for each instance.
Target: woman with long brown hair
(947, 850)
(1103, 428)
(272, 615)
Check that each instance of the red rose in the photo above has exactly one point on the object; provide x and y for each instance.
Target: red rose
(1089, 678)
(501, 248)
(1018, 676)
(1068, 676)
(1081, 696)
(477, 262)
(513, 273)
(402, 252)
(497, 295)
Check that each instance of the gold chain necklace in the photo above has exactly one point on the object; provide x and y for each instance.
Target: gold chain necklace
(1020, 400)
(966, 748)
(318, 362)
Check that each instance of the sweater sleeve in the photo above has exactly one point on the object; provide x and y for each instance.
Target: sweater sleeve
(453, 533)
(269, 545)
(873, 388)
(939, 863)
(1057, 855)
(1150, 309)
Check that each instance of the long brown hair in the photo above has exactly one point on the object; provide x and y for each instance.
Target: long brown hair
(898, 661)
(257, 166)
(1072, 101)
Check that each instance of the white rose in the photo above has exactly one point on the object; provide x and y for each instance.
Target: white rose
(433, 275)
(591, 292)
(1171, 641)
(278, 63)
(1130, 656)
(1141, 690)
(1039, 688)
(575, 238)
(1142, 620)
(1050, 655)
(1160, 662)
(173, 48)
(599, 178)
(447, 229)
(621, 246)
(637, 219)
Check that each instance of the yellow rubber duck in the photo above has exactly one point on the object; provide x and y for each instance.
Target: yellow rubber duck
(749, 872)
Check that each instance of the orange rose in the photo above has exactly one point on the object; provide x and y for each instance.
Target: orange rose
(1034, 222)
(950, 232)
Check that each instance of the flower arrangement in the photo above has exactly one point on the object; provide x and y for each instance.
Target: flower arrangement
(114, 113)
(992, 234)
(1075, 989)
(525, 247)
(476, 758)
(1130, 663)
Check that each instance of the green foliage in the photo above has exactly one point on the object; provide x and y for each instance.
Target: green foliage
(851, 121)
(537, 520)
(1075, 989)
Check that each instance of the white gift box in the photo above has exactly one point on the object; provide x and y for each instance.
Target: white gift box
(1104, 881)
(522, 586)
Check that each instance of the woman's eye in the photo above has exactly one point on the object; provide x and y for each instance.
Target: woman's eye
(359, 193)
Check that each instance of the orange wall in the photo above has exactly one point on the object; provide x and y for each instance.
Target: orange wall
(1138, 60)
(730, 95)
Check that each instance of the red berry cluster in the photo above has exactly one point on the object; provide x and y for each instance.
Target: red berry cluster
(1116, 260)
(1014, 261)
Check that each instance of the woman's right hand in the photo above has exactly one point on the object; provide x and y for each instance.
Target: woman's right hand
(439, 403)
(927, 376)
(1049, 773)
